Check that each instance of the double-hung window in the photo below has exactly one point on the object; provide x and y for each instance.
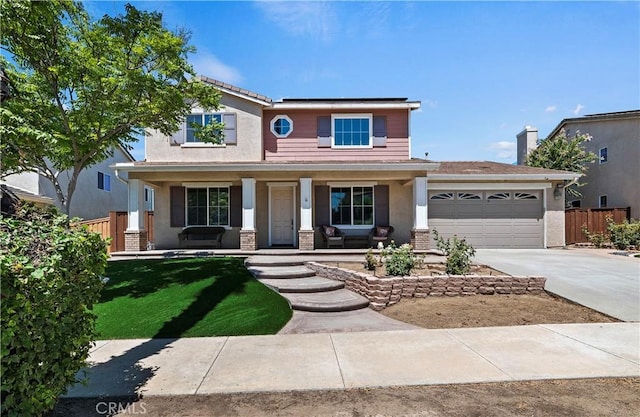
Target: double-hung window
(352, 206)
(208, 206)
(352, 130)
(104, 181)
(194, 120)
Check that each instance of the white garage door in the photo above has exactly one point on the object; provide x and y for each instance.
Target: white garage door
(489, 219)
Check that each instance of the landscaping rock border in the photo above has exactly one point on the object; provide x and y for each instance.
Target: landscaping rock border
(383, 292)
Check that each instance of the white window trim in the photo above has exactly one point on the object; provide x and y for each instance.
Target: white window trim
(186, 144)
(351, 116)
(206, 186)
(600, 201)
(352, 226)
(273, 123)
(600, 162)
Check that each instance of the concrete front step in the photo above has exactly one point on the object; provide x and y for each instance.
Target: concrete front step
(266, 262)
(281, 272)
(303, 285)
(337, 300)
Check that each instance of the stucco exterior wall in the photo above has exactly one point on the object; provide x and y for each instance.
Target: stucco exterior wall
(619, 177)
(159, 148)
(88, 201)
(554, 219)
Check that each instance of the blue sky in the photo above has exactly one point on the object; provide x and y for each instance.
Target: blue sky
(482, 70)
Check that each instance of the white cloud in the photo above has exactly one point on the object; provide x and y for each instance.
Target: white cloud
(550, 109)
(503, 149)
(578, 109)
(432, 104)
(315, 19)
(207, 64)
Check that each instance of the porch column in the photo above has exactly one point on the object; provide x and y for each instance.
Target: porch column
(305, 234)
(420, 231)
(135, 237)
(248, 240)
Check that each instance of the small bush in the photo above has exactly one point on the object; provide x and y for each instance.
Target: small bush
(50, 281)
(624, 234)
(399, 261)
(458, 253)
(598, 239)
(371, 262)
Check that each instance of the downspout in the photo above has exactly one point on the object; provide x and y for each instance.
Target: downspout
(122, 180)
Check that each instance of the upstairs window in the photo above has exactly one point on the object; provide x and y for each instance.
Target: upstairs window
(187, 133)
(352, 130)
(281, 126)
(603, 201)
(104, 181)
(603, 156)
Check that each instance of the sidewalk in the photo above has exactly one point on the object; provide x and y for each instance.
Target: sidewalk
(358, 360)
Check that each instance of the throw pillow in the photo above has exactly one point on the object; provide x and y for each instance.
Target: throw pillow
(330, 231)
(382, 231)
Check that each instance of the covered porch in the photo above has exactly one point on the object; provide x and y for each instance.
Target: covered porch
(280, 205)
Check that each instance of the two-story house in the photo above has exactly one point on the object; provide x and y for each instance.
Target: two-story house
(97, 189)
(611, 181)
(288, 167)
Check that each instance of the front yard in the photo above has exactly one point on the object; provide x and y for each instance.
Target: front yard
(186, 298)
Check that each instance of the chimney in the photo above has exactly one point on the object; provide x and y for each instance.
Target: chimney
(527, 141)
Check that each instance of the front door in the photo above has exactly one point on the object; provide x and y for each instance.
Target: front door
(282, 227)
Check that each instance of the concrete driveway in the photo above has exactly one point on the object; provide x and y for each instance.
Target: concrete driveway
(591, 277)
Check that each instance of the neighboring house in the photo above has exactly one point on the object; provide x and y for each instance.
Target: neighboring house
(614, 179)
(98, 191)
(288, 167)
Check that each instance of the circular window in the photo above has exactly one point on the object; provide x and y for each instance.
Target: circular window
(281, 126)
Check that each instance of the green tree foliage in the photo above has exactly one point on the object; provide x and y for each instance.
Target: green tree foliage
(82, 87)
(50, 279)
(565, 154)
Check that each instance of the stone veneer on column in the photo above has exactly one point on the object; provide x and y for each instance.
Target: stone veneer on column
(135, 240)
(420, 240)
(248, 240)
(306, 239)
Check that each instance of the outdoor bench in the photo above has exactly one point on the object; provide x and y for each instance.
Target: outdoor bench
(201, 237)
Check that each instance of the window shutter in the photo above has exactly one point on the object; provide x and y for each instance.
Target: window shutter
(381, 196)
(230, 131)
(324, 126)
(178, 138)
(379, 126)
(177, 206)
(322, 208)
(235, 206)
(324, 131)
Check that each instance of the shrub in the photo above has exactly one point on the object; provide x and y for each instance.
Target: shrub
(597, 239)
(370, 261)
(624, 234)
(50, 281)
(399, 261)
(458, 253)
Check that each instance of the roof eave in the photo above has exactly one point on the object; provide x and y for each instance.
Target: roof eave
(503, 177)
(258, 167)
(411, 105)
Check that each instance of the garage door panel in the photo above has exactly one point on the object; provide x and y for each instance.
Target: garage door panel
(493, 223)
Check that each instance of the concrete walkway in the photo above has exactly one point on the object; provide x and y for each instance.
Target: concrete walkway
(368, 359)
(594, 278)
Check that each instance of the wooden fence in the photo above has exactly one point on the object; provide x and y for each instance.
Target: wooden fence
(595, 220)
(114, 226)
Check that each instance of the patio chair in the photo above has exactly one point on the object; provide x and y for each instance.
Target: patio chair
(379, 234)
(332, 236)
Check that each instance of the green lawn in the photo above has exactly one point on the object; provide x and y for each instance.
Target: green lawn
(186, 298)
